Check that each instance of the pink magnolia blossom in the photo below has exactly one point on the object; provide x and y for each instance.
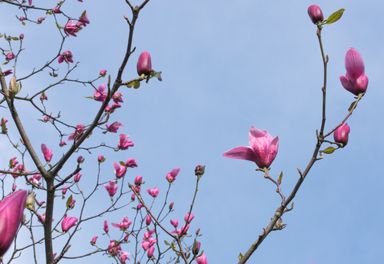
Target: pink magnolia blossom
(124, 224)
(171, 176)
(111, 188)
(65, 56)
(30, 2)
(93, 240)
(355, 80)
(131, 163)
(100, 94)
(144, 64)
(315, 13)
(83, 19)
(9, 56)
(71, 28)
(46, 152)
(120, 170)
(262, 150)
(202, 259)
(11, 214)
(62, 143)
(341, 134)
(154, 192)
(68, 222)
(113, 127)
(124, 142)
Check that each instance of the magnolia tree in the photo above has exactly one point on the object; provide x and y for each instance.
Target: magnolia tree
(47, 179)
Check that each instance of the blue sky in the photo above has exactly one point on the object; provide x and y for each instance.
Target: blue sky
(227, 66)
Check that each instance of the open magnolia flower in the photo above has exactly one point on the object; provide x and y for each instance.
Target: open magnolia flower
(262, 148)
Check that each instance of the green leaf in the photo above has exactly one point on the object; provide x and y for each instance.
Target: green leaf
(69, 201)
(134, 84)
(280, 178)
(240, 256)
(157, 75)
(329, 150)
(352, 106)
(335, 16)
(167, 243)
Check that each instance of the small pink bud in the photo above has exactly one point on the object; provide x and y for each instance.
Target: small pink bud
(174, 223)
(46, 152)
(315, 13)
(100, 158)
(80, 159)
(56, 10)
(40, 20)
(9, 56)
(105, 227)
(196, 247)
(93, 240)
(21, 36)
(64, 190)
(171, 206)
(77, 177)
(138, 180)
(188, 217)
(148, 220)
(341, 134)
(103, 72)
(144, 64)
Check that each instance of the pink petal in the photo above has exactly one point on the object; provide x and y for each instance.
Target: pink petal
(244, 153)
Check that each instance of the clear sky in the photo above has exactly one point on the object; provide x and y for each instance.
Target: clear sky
(228, 65)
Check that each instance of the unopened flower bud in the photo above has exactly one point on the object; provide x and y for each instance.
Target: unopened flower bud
(341, 134)
(315, 13)
(196, 247)
(144, 64)
(199, 170)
